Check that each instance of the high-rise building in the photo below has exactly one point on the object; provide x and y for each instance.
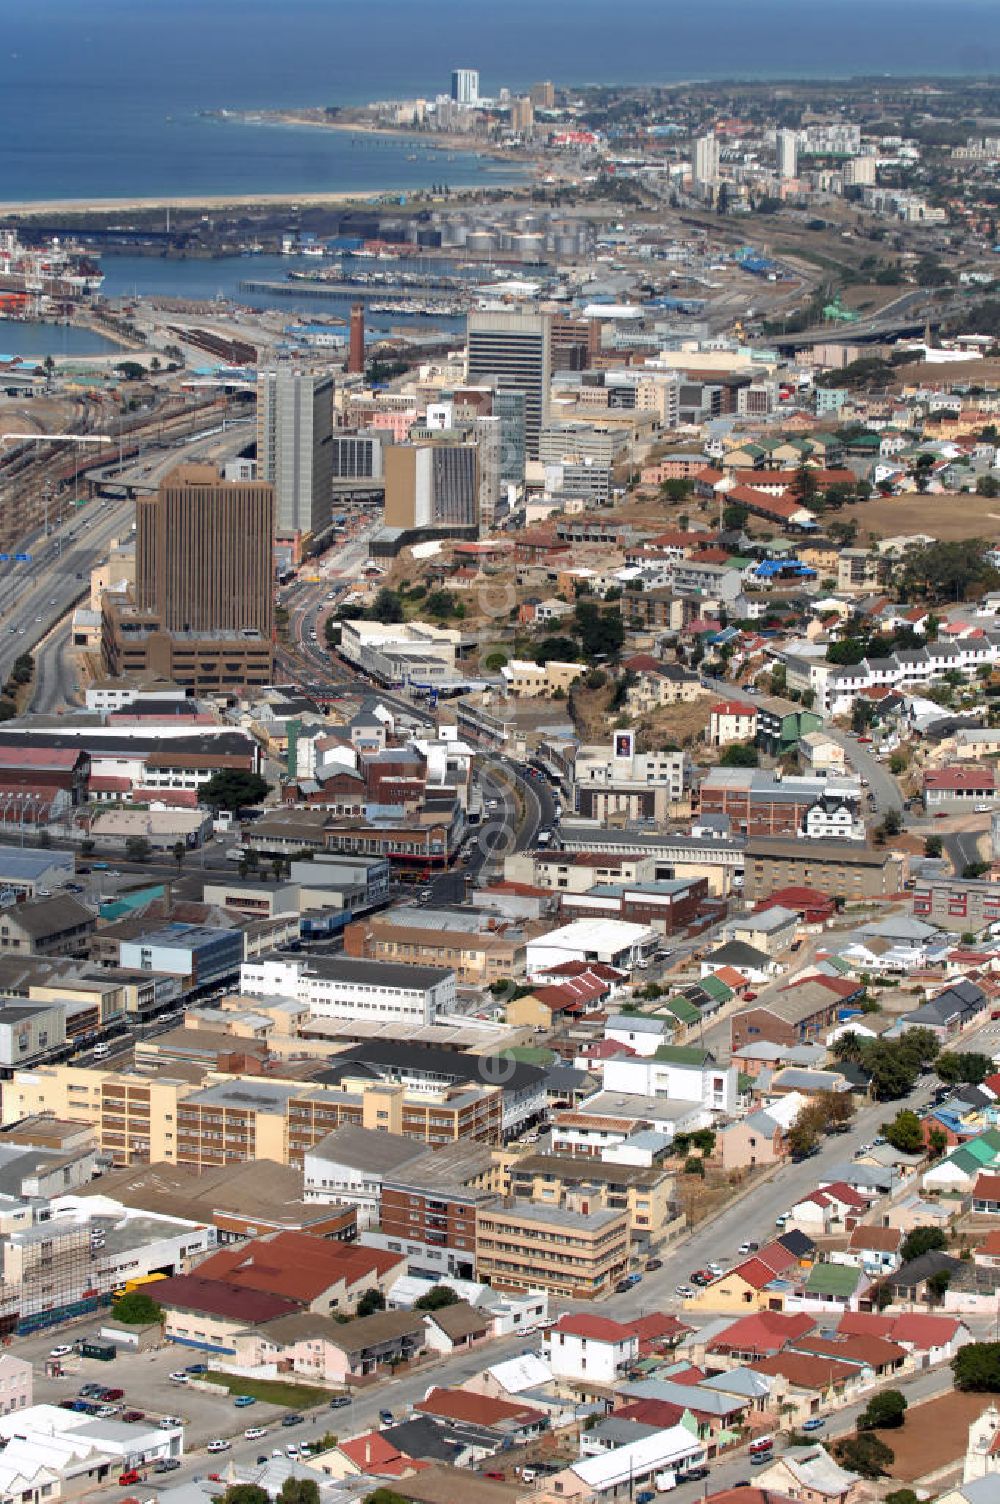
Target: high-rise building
(543, 95)
(514, 351)
(356, 347)
(465, 85)
(432, 484)
(202, 608)
(294, 447)
(706, 159)
(489, 437)
(522, 114)
(508, 406)
(788, 154)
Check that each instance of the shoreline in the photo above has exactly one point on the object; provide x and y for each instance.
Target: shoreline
(108, 205)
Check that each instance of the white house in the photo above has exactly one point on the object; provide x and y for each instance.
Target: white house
(591, 1349)
(635, 1466)
(676, 1073)
(642, 1034)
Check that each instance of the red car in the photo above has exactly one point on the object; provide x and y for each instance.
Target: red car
(130, 1475)
(112, 1394)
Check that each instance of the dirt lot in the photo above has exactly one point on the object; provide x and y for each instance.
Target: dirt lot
(934, 1434)
(944, 517)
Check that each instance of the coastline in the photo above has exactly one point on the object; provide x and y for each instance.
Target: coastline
(447, 141)
(24, 208)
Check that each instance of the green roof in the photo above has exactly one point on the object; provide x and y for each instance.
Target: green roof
(683, 1011)
(128, 903)
(716, 989)
(838, 963)
(681, 1054)
(964, 1159)
(839, 1280)
(981, 1150)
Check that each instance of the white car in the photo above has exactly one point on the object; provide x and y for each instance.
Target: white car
(219, 1445)
(291, 1450)
(170, 1420)
(982, 809)
(254, 1433)
(180, 1377)
(62, 1351)
(686, 1292)
(716, 1268)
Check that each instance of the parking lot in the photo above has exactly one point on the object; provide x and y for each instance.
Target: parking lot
(206, 1412)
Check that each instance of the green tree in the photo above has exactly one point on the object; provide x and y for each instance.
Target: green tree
(886, 1411)
(384, 1496)
(371, 1301)
(130, 370)
(866, 1454)
(495, 662)
(441, 603)
(299, 1491)
(963, 1066)
(937, 1142)
(905, 1132)
(675, 490)
(245, 1493)
(561, 649)
(937, 1286)
(180, 852)
(803, 486)
(88, 847)
(233, 789)
(988, 485)
(601, 633)
(977, 1367)
(897, 763)
(740, 755)
(136, 1308)
(436, 1298)
(901, 1496)
(734, 517)
(932, 846)
(388, 607)
(138, 849)
(920, 1241)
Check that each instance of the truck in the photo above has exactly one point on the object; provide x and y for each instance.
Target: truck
(104, 1352)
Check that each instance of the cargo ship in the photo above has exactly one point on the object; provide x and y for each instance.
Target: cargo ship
(58, 272)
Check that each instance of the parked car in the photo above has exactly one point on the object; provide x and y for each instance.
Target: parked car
(243, 1400)
(112, 1394)
(759, 1459)
(196, 1368)
(133, 1416)
(296, 1420)
(693, 1475)
(685, 1291)
(747, 1247)
(62, 1351)
(179, 1377)
(653, 1264)
(220, 1444)
(170, 1420)
(762, 1444)
(339, 1401)
(814, 1423)
(385, 1417)
(254, 1433)
(167, 1465)
(130, 1475)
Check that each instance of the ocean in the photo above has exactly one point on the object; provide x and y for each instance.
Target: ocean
(101, 98)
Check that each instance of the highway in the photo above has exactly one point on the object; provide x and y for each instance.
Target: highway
(36, 597)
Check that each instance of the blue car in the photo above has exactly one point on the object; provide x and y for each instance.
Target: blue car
(243, 1400)
(815, 1423)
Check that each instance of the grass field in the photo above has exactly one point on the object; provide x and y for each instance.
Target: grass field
(270, 1391)
(944, 517)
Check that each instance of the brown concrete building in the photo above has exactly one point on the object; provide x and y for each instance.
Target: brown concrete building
(577, 1254)
(798, 1014)
(842, 869)
(432, 1202)
(477, 958)
(202, 609)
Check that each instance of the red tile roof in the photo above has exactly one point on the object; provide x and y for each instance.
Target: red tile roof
(960, 779)
(477, 1409)
(764, 1332)
(866, 1323)
(924, 1331)
(986, 1188)
(651, 1413)
(296, 1265)
(880, 1239)
(805, 1372)
(593, 1328)
(216, 1297)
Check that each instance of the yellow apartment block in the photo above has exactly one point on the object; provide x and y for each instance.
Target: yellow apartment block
(520, 1246)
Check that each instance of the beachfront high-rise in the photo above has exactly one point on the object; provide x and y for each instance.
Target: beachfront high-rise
(514, 350)
(295, 450)
(465, 85)
(706, 159)
(788, 154)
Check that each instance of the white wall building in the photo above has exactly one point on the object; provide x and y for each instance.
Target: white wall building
(612, 941)
(341, 987)
(589, 1349)
(675, 1074)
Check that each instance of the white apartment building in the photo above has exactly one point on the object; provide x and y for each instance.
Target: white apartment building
(589, 1349)
(341, 987)
(676, 1073)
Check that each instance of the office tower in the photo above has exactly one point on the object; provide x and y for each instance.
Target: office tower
(508, 406)
(522, 114)
(860, 171)
(489, 437)
(465, 85)
(543, 96)
(203, 552)
(514, 350)
(706, 159)
(294, 441)
(431, 485)
(202, 608)
(356, 347)
(788, 154)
